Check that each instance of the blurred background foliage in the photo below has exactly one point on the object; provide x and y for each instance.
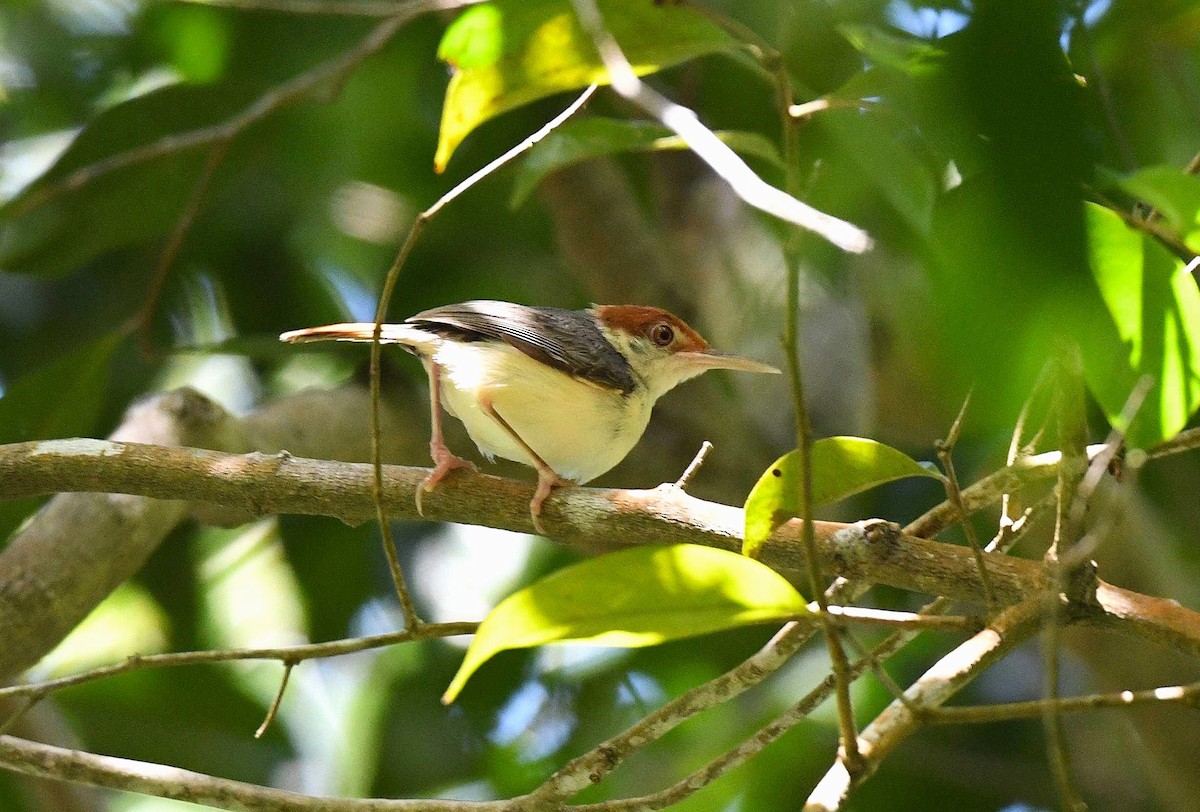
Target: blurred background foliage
(965, 136)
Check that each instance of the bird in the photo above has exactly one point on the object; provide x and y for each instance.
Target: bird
(568, 392)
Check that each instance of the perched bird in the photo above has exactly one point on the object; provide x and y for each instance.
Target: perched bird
(568, 392)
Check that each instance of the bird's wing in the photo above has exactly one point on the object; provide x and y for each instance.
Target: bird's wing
(567, 340)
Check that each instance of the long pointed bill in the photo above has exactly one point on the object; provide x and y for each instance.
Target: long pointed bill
(710, 359)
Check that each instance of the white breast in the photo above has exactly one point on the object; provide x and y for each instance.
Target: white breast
(580, 429)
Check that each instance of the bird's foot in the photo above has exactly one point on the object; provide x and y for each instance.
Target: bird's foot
(444, 461)
(547, 482)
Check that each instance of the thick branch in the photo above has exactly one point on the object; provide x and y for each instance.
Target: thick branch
(81, 546)
(605, 519)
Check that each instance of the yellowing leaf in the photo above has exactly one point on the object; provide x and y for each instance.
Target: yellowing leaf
(511, 52)
(634, 598)
(841, 467)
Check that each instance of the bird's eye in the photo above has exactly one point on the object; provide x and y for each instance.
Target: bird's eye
(662, 334)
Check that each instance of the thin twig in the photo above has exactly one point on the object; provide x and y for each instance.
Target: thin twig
(1098, 465)
(593, 766)
(1188, 440)
(785, 99)
(288, 93)
(274, 709)
(1015, 445)
(411, 619)
(166, 260)
(1188, 695)
(904, 620)
(866, 655)
(702, 141)
(1072, 438)
(1155, 229)
(19, 713)
(937, 685)
(837, 656)
(58, 763)
(978, 495)
(285, 654)
(841, 591)
(694, 466)
(945, 452)
(811, 108)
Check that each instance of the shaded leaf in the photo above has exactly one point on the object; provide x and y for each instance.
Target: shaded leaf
(1156, 310)
(54, 234)
(634, 598)
(894, 49)
(841, 467)
(61, 399)
(1172, 192)
(593, 137)
(511, 52)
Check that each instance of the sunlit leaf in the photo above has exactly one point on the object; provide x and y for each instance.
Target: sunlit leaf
(634, 598)
(511, 52)
(1173, 193)
(841, 467)
(1156, 310)
(592, 137)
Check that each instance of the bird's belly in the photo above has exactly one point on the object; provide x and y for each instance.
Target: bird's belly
(581, 430)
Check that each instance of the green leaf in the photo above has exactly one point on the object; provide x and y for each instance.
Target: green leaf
(1174, 193)
(508, 53)
(1155, 308)
(634, 598)
(593, 137)
(841, 467)
(61, 399)
(53, 234)
(894, 49)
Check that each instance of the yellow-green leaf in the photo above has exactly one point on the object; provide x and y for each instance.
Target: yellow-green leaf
(1155, 309)
(634, 598)
(507, 53)
(841, 467)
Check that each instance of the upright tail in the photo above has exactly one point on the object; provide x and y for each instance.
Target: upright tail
(358, 331)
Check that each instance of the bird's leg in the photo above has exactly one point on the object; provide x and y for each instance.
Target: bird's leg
(548, 478)
(444, 460)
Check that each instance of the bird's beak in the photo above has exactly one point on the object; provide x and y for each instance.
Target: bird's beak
(711, 359)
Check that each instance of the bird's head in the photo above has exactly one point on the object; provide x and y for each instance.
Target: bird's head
(662, 349)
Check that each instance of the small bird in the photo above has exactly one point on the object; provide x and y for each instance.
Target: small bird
(568, 392)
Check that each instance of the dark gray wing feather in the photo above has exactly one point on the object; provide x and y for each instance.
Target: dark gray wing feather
(567, 340)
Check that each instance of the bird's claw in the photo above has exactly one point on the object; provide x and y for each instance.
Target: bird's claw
(547, 482)
(444, 463)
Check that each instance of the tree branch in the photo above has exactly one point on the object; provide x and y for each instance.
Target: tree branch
(938, 684)
(872, 551)
(283, 95)
(49, 581)
(45, 761)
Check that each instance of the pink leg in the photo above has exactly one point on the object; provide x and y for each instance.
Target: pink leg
(548, 479)
(444, 460)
